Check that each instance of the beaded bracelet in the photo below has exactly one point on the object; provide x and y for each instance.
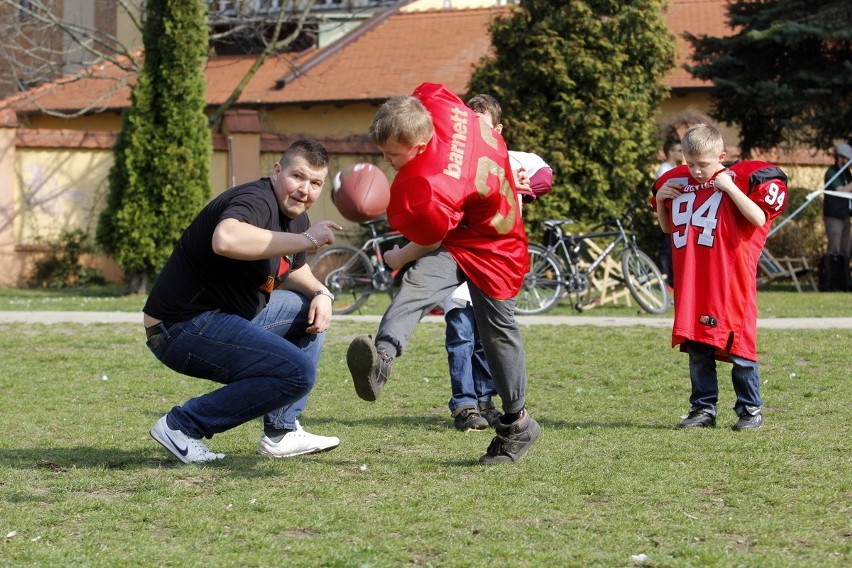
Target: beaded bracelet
(313, 240)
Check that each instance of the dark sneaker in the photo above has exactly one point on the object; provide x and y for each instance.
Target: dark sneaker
(468, 418)
(698, 418)
(490, 413)
(370, 369)
(749, 421)
(512, 440)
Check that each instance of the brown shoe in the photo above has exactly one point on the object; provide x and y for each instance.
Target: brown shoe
(512, 440)
(468, 418)
(370, 369)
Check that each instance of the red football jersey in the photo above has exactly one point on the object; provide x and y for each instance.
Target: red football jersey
(461, 191)
(715, 252)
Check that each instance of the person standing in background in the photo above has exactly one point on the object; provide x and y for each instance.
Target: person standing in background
(836, 208)
(673, 150)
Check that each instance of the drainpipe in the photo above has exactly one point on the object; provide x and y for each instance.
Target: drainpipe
(233, 175)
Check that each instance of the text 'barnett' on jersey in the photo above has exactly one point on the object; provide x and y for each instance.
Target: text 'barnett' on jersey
(460, 192)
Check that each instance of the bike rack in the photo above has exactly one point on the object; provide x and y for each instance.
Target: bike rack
(608, 288)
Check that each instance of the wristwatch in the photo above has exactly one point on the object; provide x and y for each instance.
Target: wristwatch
(324, 293)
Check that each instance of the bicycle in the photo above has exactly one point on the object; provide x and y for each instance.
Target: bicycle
(557, 270)
(352, 274)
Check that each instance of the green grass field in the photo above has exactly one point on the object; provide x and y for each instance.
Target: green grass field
(83, 484)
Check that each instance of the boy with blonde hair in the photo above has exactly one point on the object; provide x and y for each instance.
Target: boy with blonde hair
(454, 199)
(719, 218)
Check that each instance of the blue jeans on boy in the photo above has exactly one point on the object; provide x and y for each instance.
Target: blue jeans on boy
(268, 366)
(705, 386)
(470, 377)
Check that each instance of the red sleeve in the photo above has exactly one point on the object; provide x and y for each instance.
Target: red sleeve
(418, 212)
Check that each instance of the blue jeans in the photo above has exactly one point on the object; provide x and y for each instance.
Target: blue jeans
(470, 377)
(268, 366)
(705, 386)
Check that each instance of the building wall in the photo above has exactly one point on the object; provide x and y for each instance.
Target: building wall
(320, 120)
(53, 172)
(47, 190)
(54, 185)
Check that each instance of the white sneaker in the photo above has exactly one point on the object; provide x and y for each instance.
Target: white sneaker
(184, 448)
(296, 443)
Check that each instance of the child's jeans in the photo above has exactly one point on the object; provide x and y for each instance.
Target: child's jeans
(470, 378)
(705, 386)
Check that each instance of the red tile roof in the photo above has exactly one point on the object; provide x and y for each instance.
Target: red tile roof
(698, 17)
(391, 57)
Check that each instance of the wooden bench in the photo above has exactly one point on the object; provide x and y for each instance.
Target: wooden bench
(793, 268)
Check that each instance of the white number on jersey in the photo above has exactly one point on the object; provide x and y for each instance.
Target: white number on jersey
(775, 197)
(705, 218)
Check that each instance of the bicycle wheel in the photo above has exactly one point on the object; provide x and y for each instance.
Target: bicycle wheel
(347, 273)
(645, 281)
(542, 285)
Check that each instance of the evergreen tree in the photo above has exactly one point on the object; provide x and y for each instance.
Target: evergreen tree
(785, 76)
(579, 83)
(160, 176)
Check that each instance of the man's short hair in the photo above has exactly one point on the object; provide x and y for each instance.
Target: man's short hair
(669, 144)
(312, 151)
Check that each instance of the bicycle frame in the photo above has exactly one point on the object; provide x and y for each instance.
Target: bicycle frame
(556, 269)
(353, 274)
(382, 277)
(569, 244)
(621, 237)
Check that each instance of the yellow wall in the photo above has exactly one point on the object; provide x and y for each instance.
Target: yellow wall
(456, 4)
(59, 190)
(676, 105)
(320, 120)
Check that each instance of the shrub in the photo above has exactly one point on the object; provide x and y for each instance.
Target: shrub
(62, 268)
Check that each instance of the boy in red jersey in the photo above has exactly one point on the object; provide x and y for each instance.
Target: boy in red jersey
(719, 219)
(453, 198)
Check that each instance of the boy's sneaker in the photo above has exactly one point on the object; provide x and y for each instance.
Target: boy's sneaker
(512, 440)
(295, 443)
(698, 418)
(370, 369)
(468, 418)
(184, 448)
(749, 421)
(490, 413)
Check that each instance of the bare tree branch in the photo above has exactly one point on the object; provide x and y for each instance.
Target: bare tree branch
(41, 46)
(271, 47)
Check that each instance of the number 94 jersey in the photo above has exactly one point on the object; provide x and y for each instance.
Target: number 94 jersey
(715, 253)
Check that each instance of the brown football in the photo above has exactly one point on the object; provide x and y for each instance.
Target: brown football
(361, 192)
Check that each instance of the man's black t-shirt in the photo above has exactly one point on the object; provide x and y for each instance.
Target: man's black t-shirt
(195, 279)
